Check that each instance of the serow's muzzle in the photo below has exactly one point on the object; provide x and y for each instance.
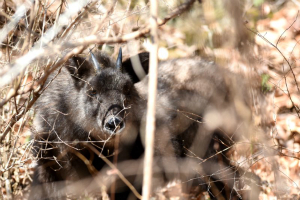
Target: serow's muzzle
(114, 124)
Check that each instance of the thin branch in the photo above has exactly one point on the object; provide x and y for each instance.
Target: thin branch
(275, 46)
(16, 117)
(286, 60)
(14, 21)
(20, 65)
(30, 31)
(111, 165)
(92, 39)
(287, 29)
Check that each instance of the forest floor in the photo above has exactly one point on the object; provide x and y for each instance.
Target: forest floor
(280, 61)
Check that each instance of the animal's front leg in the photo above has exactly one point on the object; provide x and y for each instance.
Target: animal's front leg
(46, 185)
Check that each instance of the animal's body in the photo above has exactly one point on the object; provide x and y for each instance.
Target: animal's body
(84, 103)
(202, 110)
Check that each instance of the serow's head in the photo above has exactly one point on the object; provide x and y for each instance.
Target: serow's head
(104, 94)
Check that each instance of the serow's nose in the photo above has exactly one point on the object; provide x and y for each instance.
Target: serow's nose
(114, 124)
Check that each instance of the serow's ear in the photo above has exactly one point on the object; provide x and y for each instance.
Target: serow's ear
(142, 69)
(79, 68)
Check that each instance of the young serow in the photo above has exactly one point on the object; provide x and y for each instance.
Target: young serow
(98, 103)
(88, 102)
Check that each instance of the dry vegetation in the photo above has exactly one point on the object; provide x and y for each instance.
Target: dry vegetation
(258, 39)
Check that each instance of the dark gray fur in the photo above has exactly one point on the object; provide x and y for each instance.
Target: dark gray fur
(189, 90)
(201, 109)
(74, 107)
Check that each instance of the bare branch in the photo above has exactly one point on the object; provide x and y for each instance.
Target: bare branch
(286, 60)
(20, 64)
(287, 29)
(94, 39)
(14, 20)
(111, 165)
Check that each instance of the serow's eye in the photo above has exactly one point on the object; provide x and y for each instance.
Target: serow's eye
(126, 89)
(92, 93)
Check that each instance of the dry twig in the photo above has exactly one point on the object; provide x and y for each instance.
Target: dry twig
(285, 59)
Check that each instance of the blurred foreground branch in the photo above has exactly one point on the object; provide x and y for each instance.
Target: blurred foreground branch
(152, 90)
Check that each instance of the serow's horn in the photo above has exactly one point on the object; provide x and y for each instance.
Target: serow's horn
(119, 60)
(95, 62)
